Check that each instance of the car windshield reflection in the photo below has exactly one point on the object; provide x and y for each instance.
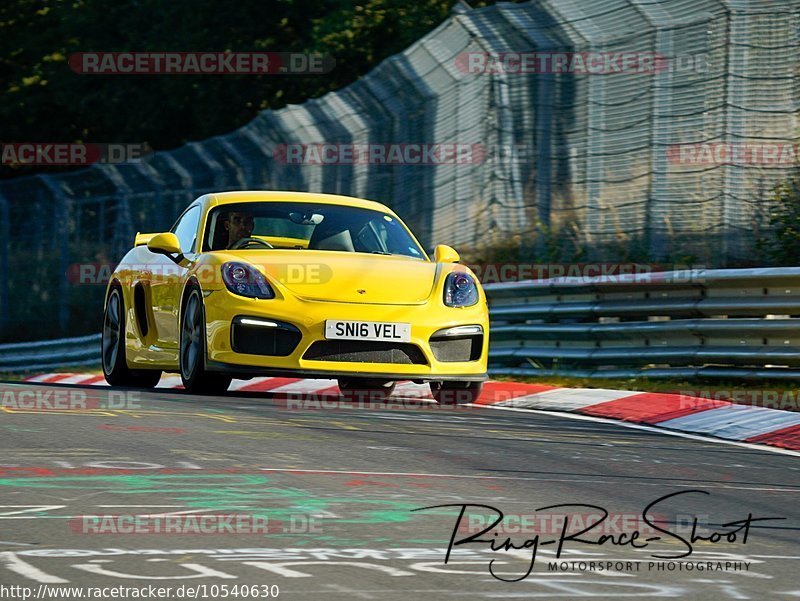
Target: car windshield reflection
(292, 225)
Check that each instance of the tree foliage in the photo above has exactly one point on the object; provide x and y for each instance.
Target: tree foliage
(782, 244)
(42, 100)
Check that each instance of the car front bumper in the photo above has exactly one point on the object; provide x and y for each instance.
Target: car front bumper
(308, 317)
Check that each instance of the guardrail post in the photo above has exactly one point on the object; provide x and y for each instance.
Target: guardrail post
(63, 217)
(4, 271)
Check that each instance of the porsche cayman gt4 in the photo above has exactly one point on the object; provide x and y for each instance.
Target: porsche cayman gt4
(291, 284)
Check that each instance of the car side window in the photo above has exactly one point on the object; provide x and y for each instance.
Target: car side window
(186, 229)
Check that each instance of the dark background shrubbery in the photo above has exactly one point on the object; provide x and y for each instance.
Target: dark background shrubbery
(42, 100)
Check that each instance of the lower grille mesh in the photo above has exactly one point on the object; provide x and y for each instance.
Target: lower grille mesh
(358, 351)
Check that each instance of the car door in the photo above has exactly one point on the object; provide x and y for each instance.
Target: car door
(168, 278)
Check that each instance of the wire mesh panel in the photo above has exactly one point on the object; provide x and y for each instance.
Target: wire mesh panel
(651, 122)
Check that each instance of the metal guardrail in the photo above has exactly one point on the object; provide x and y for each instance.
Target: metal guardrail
(50, 354)
(734, 323)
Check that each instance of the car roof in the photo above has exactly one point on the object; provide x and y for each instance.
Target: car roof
(222, 198)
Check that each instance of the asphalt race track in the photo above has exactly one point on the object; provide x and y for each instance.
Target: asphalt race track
(319, 502)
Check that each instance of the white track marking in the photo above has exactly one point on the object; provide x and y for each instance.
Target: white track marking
(738, 422)
(15, 564)
(566, 398)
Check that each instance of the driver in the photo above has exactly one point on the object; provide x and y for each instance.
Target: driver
(239, 225)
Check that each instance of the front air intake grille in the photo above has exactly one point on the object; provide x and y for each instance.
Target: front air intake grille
(450, 350)
(277, 341)
(357, 351)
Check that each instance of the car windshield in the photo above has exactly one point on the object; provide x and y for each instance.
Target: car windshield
(259, 225)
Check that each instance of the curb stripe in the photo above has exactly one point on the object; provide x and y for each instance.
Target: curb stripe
(652, 408)
(694, 415)
(53, 378)
(495, 393)
(263, 384)
(786, 438)
(565, 399)
(735, 422)
(307, 386)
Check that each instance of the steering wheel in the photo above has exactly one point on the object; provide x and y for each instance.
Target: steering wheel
(245, 242)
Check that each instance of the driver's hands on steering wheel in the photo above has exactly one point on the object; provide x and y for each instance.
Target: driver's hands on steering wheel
(244, 242)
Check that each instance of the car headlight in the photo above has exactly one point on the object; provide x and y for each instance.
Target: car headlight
(460, 290)
(246, 280)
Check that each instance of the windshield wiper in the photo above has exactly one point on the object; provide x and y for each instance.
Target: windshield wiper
(380, 252)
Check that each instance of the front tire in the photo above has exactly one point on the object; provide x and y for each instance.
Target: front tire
(456, 393)
(115, 364)
(196, 379)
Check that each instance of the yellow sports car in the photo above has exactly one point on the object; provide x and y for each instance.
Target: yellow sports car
(293, 284)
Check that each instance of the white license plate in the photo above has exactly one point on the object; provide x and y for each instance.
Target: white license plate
(367, 330)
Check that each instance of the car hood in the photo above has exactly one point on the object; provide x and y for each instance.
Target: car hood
(345, 277)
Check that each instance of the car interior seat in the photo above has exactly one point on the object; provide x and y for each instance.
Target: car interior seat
(331, 238)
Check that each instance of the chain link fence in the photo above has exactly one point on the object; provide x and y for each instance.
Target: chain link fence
(659, 123)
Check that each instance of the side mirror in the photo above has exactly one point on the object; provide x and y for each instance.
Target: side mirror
(165, 244)
(445, 254)
(142, 239)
